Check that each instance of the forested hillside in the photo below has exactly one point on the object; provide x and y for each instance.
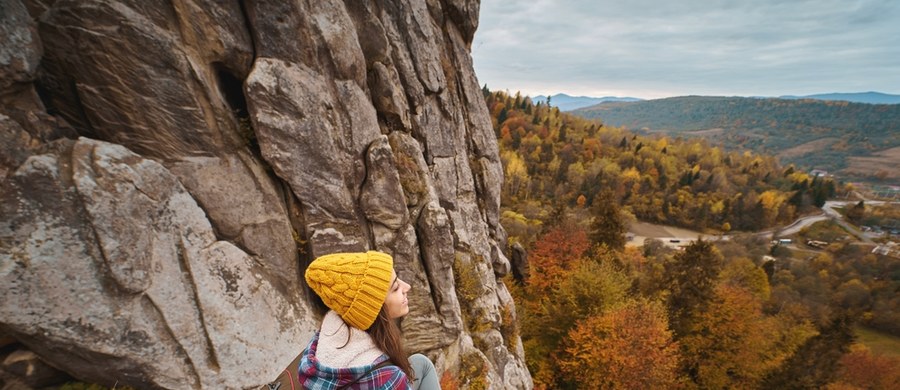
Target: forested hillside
(738, 313)
(870, 97)
(554, 159)
(808, 133)
(715, 315)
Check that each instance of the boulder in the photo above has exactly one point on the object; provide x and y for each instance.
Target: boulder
(114, 275)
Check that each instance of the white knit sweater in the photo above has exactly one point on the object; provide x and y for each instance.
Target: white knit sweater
(335, 351)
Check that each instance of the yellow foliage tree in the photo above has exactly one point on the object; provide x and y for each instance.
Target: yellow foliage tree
(732, 343)
(771, 202)
(516, 173)
(629, 347)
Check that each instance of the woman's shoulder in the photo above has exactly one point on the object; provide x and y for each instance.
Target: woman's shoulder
(391, 377)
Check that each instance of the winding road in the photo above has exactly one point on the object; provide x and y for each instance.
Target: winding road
(676, 237)
(828, 212)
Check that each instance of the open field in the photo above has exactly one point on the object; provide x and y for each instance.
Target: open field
(809, 147)
(644, 230)
(883, 163)
(878, 342)
(707, 133)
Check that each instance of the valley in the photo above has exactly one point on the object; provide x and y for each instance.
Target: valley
(609, 217)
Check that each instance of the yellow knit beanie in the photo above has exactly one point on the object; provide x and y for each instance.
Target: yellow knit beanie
(354, 285)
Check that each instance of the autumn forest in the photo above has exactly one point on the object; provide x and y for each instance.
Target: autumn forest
(596, 312)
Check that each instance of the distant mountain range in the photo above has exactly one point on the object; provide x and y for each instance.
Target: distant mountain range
(857, 141)
(569, 103)
(858, 97)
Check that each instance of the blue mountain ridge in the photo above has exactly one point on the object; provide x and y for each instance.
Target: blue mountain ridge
(870, 97)
(569, 103)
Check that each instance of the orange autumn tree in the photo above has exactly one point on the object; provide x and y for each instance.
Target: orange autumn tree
(629, 347)
(589, 289)
(860, 369)
(732, 344)
(566, 285)
(554, 253)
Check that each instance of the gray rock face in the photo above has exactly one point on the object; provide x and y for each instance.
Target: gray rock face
(519, 262)
(112, 258)
(185, 160)
(20, 53)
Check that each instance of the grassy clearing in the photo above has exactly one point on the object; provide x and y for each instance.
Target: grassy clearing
(827, 231)
(879, 342)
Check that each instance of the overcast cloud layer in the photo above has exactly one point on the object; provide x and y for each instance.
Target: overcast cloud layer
(653, 49)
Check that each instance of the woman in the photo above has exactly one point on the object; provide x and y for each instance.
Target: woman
(358, 344)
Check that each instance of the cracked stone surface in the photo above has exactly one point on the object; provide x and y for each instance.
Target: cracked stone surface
(184, 161)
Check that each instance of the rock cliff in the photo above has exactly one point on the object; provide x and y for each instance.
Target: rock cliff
(169, 168)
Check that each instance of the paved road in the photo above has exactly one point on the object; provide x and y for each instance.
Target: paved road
(839, 219)
(801, 223)
(828, 212)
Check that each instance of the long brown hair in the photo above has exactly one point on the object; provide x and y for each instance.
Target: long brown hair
(386, 334)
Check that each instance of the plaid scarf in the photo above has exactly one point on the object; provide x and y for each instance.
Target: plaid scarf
(316, 376)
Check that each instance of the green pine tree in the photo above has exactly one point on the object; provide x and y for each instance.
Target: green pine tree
(692, 276)
(816, 363)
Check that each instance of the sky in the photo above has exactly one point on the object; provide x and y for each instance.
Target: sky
(653, 49)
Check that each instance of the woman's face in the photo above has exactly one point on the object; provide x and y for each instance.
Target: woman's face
(396, 303)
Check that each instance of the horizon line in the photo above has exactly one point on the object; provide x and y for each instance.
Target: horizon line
(629, 96)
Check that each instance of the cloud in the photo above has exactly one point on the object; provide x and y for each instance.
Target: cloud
(689, 47)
